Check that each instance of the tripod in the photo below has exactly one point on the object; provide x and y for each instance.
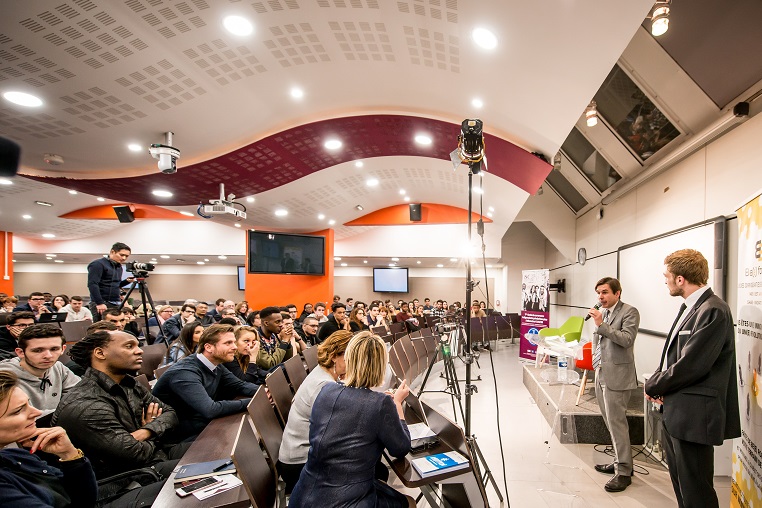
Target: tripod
(451, 377)
(145, 296)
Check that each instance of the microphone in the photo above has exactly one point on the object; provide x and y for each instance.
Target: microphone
(596, 307)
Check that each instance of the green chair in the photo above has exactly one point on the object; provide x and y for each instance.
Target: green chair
(571, 330)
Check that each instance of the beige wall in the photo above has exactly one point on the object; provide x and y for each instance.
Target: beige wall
(447, 288)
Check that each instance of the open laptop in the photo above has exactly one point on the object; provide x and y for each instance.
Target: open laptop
(421, 436)
(53, 317)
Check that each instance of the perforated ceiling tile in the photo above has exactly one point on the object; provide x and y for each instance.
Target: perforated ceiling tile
(170, 18)
(100, 108)
(22, 63)
(355, 4)
(296, 44)
(274, 6)
(433, 49)
(20, 126)
(223, 63)
(363, 41)
(446, 10)
(162, 85)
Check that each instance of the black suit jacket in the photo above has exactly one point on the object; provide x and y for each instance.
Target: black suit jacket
(699, 387)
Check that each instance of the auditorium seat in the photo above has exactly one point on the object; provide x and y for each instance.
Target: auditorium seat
(295, 371)
(311, 357)
(281, 393)
(266, 423)
(256, 474)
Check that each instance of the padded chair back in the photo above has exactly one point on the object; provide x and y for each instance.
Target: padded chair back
(378, 330)
(394, 363)
(153, 355)
(265, 420)
(431, 344)
(412, 357)
(403, 360)
(295, 371)
(161, 370)
(253, 470)
(143, 380)
(420, 351)
(397, 327)
(74, 331)
(587, 357)
(311, 357)
(281, 393)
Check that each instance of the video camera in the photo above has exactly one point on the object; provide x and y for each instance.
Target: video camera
(139, 269)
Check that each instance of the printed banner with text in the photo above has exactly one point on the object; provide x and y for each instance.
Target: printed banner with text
(746, 479)
(535, 311)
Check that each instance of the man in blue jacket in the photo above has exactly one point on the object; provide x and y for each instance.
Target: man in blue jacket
(104, 279)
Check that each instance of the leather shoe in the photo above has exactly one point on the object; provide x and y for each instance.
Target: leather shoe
(605, 468)
(618, 483)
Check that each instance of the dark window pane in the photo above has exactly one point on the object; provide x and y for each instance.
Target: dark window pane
(636, 119)
(589, 161)
(566, 190)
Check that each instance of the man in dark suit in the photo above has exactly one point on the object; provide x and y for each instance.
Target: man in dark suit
(696, 380)
(614, 363)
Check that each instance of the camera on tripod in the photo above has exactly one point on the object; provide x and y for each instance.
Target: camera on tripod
(139, 269)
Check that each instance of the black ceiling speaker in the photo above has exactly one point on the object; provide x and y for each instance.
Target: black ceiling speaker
(415, 212)
(10, 153)
(124, 213)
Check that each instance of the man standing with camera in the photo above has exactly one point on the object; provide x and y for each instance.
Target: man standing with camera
(104, 279)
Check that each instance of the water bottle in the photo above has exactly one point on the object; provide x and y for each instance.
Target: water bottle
(563, 366)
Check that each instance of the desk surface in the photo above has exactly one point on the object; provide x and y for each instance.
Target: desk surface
(215, 442)
(410, 478)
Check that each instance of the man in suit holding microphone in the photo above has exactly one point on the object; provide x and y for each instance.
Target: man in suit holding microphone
(614, 364)
(696, 380)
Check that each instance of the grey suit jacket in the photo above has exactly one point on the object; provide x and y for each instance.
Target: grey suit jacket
(699, 387)
(617, 338)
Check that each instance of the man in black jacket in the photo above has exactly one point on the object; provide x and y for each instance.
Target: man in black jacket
(104, 279)
(173, 325)
(337, 320)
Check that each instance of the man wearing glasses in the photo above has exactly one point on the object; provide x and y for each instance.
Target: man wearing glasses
(173, 325)
(36, 305)
(309, 330)
(17, 323)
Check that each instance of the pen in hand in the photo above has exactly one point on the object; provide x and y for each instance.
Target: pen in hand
(222, 466)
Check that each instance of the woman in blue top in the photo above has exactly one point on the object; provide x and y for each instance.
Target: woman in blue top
(350, 426)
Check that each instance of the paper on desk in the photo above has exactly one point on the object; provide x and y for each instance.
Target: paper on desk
(229, 481)
(420, 431)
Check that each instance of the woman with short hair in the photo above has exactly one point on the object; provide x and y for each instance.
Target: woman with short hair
(349, 428)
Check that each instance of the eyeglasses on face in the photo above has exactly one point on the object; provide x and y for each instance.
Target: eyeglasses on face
(21, 325)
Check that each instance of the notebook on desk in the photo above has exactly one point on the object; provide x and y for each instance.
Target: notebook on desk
(439, 463)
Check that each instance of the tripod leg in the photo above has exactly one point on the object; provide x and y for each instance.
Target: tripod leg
(453, 388)
(487, 472)
(428, 370)
(146, 295)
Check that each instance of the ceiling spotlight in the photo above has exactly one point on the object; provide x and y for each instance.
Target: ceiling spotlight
(26, 217)
(100, 199)
(73, 192)
(491, 209)
(539, 191)
(297, 93)
(557, 162)
(5, 181)
(343, 264)
(591, 114)
(43, 203)
(58, 260)
(372, 182)
(453, 259)
(206, 260)
(484, 38)
(187, 214)
(51, 255)
(250, 199)
(359, 207)
(392, 264)
(489, 266)
(365, 261)
(402, 192)
(237, 225)
(48, 235)
(395, 259)
(359, 164)
(321, 216)
(423, 139)
(23, 99)
(332, 144)
(164, 256)
(331, 222)
(478, 190)
(337, 258)
(134, 147)
(477, 103)
(222, 257)
(238, 25)
(660, 18)
(200, 262)
(281, 212)
(489, 214)
(162, 193)
(440, 266)
(407, 199)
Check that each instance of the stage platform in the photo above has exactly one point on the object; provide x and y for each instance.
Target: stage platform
(583, 423)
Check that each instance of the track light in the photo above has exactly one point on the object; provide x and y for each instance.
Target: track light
(591, 114)
(660, 18)
(557, 162)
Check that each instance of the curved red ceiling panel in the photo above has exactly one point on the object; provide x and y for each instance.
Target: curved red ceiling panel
(294, 153)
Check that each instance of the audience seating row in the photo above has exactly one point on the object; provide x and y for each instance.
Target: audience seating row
(409, 357)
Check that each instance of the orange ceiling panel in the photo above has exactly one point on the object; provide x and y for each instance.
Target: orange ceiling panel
(106, 212)
(431, 213)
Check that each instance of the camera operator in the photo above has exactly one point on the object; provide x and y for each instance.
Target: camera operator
(104, 279)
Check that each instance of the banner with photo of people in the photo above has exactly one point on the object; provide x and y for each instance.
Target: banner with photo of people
(746, 478)
(535, 309)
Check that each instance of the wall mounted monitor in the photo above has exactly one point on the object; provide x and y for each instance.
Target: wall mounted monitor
(390, 280)
(241, 278)
(280, 253)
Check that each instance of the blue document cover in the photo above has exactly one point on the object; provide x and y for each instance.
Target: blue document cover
(441, 462)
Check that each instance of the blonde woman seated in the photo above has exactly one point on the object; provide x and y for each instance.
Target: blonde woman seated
(350, 426)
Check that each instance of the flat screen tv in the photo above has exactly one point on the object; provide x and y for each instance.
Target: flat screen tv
(286, 254)
(241, 278)
(390, 280)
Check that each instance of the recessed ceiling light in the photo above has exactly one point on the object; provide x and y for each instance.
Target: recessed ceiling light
(237, 225)
(280, 212)
(134, 147)
(100, 199)
(418, 262)
(43, 203)
(423, 139)
(453, 259)
(478, 190)
(491, 209)
(407, 198)
(200, 263)
(180, 260)
(238, 25)
(332, 144)
(164, 256)
(51, 255)
(359, 164)
(206, 260)
(365, 261)
(26, 217)
(222, 257)
(359, 207)
(489, 266)
(187, 214)
(402, 192)
(489, 214)
(484, 38)
(23, 99)
(331, 222)
(372, 182)
(58, 260)
(343, 264)
(395, 259)
(154, 260)
(250, 199)
(392, 264)
(321, 216)
(440, 266)
(73, 192)
(337, 258)
(477, 102)
(48, 235)
(162, 193)
(297, 93)
(5, 181)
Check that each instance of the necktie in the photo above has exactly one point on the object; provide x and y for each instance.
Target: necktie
(669, 336)
(597, 354)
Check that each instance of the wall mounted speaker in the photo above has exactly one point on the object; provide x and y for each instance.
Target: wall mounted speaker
(415, 212)
(124, 213)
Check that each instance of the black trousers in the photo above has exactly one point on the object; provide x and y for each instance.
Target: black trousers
(691, 468)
